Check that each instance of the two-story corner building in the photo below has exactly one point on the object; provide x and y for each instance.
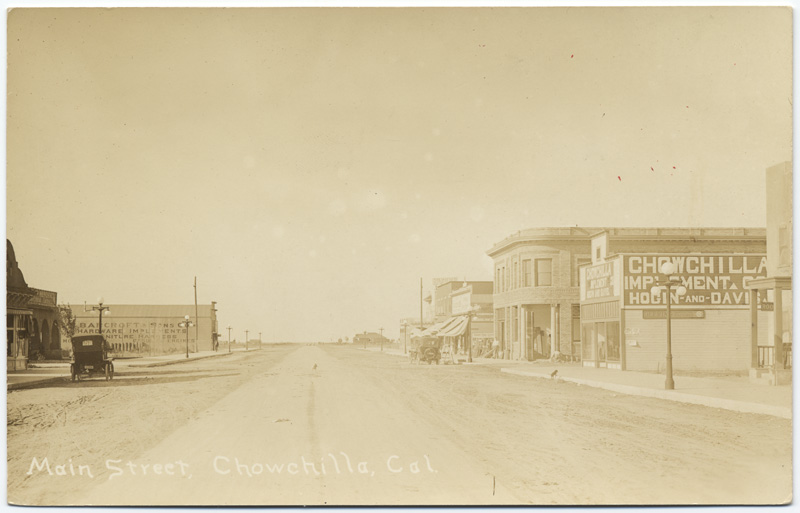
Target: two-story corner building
(537, 284)
(536, 291)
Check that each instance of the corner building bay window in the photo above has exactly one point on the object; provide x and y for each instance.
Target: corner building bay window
(544, 272)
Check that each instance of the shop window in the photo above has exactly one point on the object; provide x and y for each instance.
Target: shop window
(587, 339)
(612, 337)
(544, 273)
(526, 273)
(602, 341)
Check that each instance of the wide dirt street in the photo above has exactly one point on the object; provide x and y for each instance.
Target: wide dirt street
(267, 427)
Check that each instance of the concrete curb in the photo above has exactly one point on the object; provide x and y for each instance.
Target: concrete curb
(174, 362)
(681, 397)
(31, 384)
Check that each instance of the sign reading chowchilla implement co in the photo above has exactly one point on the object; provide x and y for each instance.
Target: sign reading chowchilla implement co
(717, 281)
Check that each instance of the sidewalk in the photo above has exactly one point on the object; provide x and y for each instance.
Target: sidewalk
(41, 373)
(729, 393)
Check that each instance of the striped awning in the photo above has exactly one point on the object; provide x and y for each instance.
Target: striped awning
(455, 327)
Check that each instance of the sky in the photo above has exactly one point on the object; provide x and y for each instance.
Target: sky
(310, 165)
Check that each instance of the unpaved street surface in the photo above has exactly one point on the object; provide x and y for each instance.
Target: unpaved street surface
(364, 428)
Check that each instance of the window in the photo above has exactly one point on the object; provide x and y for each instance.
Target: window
(505, 279)
(526, 273)
(516, 274)
(597, 254)
(612, 334)
(544, 273)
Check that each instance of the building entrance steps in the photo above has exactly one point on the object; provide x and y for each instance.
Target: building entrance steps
(730, 393)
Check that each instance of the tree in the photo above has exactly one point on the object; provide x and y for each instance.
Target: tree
(66, 320)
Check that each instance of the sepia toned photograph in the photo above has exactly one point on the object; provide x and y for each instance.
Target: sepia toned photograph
(395, 256)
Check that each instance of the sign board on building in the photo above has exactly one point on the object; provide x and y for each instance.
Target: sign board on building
(767, 307)
(675, 314)
(600, 281)
(461, 303)
(716, 281)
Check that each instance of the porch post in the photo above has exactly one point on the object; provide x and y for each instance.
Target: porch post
(552, 329)
(753, 328)
(778, 315)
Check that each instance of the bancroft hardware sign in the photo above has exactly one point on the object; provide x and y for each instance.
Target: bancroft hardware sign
(710, 281)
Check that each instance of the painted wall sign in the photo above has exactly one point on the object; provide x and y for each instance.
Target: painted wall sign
(600, 281)
(710, 281)
(461, 303)
(675, 314)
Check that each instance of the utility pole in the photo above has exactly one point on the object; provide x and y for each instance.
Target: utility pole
(259, 340)
(245, 339)
(420, 304)
(229, 339)
(196, 323)
(381, 339)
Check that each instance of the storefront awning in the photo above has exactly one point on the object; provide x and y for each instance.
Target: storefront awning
(456, 327)
(433, 331)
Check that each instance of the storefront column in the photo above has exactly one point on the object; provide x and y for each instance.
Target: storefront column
(753, 328)
(520, 331)
(552, 329)
(778, 315)
(557, 330)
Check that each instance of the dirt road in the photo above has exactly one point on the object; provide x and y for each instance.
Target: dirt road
(365, 428)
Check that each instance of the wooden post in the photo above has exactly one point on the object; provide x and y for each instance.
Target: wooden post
(196, 320)
(778, 338)
(753, 328)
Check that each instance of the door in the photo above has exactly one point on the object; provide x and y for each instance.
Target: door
(530, 340)
(602, 344)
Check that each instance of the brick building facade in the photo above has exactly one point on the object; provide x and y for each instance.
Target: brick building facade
(537, 295)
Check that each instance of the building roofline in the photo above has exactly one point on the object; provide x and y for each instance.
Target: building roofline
(586, 234)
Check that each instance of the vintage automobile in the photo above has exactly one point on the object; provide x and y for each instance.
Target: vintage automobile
(427, 349)
(90, 357)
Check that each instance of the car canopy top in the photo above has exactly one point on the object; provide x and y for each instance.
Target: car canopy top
(88, 343)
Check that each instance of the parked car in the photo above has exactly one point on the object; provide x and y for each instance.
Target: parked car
(90, 357)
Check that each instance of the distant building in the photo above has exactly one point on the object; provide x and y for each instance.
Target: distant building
(457, 299)
(137, 330)
(370, 338)
(537, 295)
(32, 318)
(440, 298)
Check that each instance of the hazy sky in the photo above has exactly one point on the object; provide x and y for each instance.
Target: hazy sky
(310, 165)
